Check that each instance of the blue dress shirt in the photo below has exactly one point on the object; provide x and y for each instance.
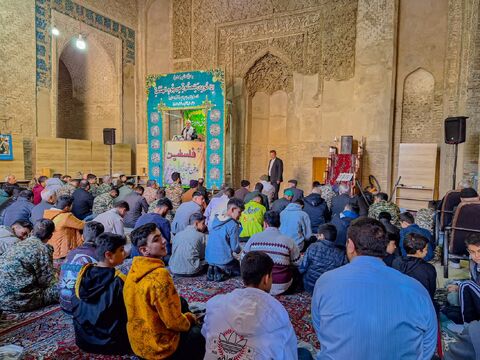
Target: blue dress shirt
(366, 310)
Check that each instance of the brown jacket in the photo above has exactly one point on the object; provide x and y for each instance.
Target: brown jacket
(67, 235)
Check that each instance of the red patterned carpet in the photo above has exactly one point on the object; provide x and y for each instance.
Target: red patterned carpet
(48, 333)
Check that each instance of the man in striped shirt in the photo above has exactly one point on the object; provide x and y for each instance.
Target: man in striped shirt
(282, 249)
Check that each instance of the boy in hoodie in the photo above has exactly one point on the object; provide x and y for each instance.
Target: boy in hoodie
(250, 323)
(414, 265)
(67, 234)
(322, 256)
(84, 254)
(295, 224)
(99, 315)
(223, 241)
(157, 327)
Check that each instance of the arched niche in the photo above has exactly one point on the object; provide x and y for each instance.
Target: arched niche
(87, 92)
(418, 116)
(267, 82)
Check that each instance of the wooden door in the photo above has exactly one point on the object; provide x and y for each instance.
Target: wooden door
(319, 169)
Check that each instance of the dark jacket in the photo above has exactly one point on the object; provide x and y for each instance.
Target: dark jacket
(19, 210)
(99, 314)
(37, 211)
(339, 202)
(418, 269)
(320, 257)
(137, 204)
(82, 203)
(341, 223)
(277, 170)
(255, 193)
(241, 193)
(279, 205)
(391, 229)
(297, 193)
(317, 210)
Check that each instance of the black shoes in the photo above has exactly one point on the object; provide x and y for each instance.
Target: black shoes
(214, 273)
(211, 273)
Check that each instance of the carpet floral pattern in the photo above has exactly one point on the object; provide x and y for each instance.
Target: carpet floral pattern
(48, 333)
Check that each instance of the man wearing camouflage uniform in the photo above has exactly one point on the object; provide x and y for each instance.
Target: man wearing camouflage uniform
(104, 202)
(68, 189)
(424, 217)
(327, 194)
(382, 204)
(27, 275)
(106, 186)
(174, 192)
(92, 180)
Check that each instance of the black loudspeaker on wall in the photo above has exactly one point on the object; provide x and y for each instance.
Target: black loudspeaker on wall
(109, 136)
(455, 129)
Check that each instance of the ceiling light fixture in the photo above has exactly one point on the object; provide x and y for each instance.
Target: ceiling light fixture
(55, 31)
(80, 43)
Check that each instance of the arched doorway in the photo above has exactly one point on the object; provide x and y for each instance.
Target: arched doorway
(88, 95)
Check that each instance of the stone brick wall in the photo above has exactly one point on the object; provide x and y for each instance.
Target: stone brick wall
(66, 106)
(17, 71)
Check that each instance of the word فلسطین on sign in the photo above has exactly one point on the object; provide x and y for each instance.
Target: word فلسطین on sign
(191, 154)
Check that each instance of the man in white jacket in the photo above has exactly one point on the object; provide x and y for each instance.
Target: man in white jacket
(250, 324)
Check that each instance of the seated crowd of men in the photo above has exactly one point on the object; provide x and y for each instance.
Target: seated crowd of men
(366, 267)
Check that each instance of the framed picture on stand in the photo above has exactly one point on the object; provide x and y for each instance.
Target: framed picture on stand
(6, 150)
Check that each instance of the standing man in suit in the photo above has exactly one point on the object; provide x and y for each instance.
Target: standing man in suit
(275, 172)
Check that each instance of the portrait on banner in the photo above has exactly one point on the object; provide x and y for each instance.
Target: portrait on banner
(6, 151)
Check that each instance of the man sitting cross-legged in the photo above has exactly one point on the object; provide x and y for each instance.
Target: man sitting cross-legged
(367, 310)
(322, 256)
(223, 241)
(159, 325)
(99, 315)
(250, 321)
(84, 254)
(188, 249)
(282, 249)
(27, 276)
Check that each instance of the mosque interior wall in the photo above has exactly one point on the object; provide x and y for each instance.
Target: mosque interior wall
(298, 75)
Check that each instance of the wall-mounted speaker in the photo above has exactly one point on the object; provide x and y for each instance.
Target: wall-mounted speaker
(109, 136)
(455, 129)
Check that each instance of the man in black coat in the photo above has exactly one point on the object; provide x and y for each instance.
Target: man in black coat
(275, 172)
(82, 200)
(137, 205)
(316, 208)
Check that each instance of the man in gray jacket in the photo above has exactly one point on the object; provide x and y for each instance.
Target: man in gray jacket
(188, 249)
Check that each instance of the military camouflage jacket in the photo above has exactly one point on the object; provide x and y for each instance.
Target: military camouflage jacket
(385, 206)
(424, 219)
(27, 278)
(66, 190)
(102, 203)
(174, 194)
(104, 188)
